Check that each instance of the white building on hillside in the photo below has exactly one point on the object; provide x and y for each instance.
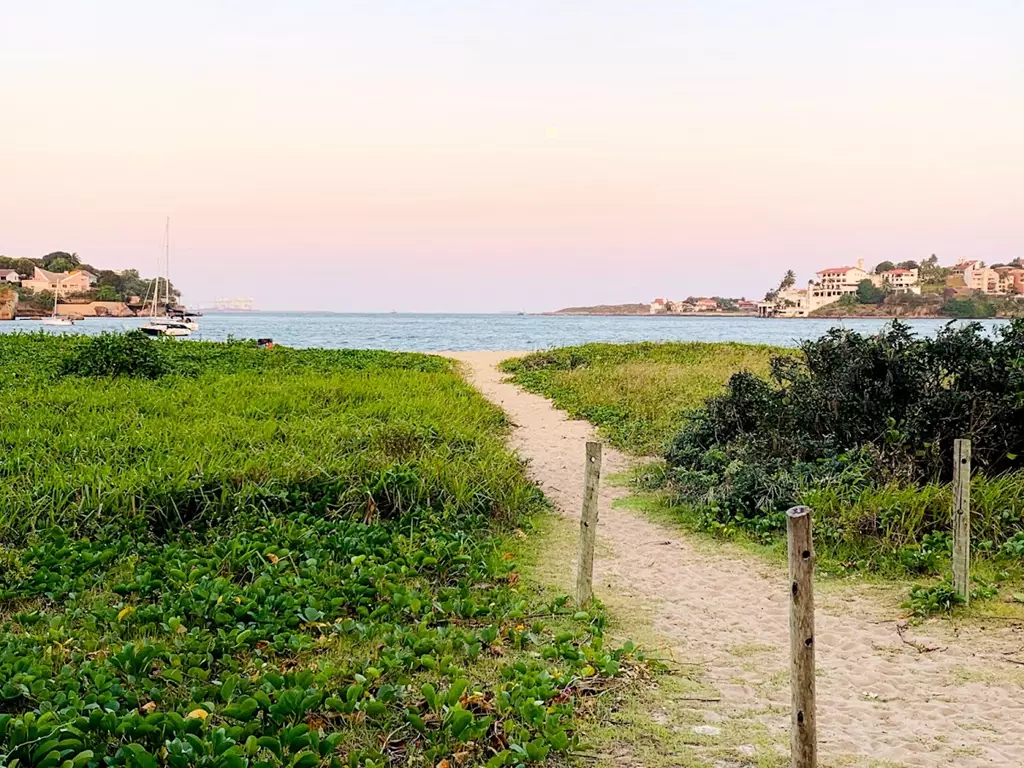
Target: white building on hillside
(832, 285)
(836, 282)
(901, 281)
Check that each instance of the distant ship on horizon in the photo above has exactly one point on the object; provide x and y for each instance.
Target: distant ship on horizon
(233, 305)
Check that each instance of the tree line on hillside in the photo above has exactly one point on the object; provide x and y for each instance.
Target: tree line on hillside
(110, 285)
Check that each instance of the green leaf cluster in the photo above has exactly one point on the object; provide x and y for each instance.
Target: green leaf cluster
(271, 559)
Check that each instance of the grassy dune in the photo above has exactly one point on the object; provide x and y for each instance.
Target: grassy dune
(233, 557)
(636, 393)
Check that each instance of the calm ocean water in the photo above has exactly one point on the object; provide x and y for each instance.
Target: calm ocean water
(430, 332)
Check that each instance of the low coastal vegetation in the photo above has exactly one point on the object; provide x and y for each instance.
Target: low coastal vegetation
(638, 394)
(872, 302)
(219, 555)
(855, 421)
(860, 428)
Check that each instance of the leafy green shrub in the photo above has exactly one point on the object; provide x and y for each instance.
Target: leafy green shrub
(974, 307)
(1014, 546)
(926, 557)
(131, 354)
(869, 293)
(855, 413)
(940, 597)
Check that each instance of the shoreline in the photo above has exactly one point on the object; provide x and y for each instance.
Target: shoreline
(736, 315)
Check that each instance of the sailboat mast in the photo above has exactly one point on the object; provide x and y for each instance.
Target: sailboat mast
(167, 261)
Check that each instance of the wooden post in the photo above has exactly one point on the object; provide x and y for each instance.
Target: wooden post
(588, 524)
(804, 742)
(962, 518)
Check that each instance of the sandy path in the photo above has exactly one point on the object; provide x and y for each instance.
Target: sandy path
(878, 698)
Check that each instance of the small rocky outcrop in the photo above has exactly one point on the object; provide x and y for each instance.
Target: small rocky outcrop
(8, 303)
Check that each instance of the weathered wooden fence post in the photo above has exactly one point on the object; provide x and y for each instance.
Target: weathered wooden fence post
(804, 742)
(588, 524)
(962, 518)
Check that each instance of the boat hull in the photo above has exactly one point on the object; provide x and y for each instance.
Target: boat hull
(157, 330)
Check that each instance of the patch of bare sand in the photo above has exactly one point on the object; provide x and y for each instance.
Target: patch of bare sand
(879, 699)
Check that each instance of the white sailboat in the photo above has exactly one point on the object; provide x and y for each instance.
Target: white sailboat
(55, 319)
(173, 324)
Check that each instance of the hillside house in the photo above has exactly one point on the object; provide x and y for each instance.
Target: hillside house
(10, 276)
(61, 283)
(836, 282)
(1009, 280)
(901, 280)
(793, 302)
(832, 284)
(706, 305)
(658, 306)
(974, 276)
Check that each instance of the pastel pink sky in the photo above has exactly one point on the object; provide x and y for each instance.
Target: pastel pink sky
(479, 156)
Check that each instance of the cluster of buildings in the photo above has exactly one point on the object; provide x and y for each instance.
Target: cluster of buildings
(834, 283)
(701, 306)
(60, 283)
(1006, 280)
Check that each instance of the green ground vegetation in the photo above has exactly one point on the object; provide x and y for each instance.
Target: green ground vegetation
(216, 555)
(636, 393)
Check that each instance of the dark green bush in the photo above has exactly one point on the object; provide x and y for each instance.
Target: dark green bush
(855, 411)
(869, 293)
(131, 354)
(975, 307)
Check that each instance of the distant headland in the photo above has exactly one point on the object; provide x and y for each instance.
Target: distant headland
(716, 305)
(62, 283)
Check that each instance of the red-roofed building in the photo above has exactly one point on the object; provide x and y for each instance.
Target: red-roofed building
(835, 282)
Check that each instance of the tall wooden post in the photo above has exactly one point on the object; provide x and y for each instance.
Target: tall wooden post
(588, 524)
(962, 518)
(804, 742)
